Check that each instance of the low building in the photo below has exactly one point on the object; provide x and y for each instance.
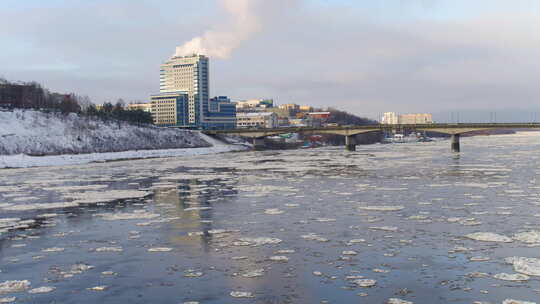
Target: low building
(306, 109)
(390, 118)
(254, 104)
(169, 109)
(147, 107)
(320, 115)
(256, 120)
(412, 119)
(219, 114)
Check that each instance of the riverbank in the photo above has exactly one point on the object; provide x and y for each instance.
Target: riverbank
(26, 161)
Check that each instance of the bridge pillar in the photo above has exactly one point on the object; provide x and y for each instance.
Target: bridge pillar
(258, 143)
(455, 142)
(350, 143)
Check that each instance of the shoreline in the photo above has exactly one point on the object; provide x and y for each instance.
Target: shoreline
(20, 161)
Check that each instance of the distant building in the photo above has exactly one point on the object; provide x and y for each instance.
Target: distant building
(170, 109)
(147, 107)
(411, 119)
(306, 109)
(417, 118)
(184, 86)
(256, 120)
(246, 105)
(319, 115)
(390, 118)
(292, 107)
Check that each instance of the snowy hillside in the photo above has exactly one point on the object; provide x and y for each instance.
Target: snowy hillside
(37, 133)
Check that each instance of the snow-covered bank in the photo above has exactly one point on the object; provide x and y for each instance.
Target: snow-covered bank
(37, 133)
(25, 161)
(68, 140)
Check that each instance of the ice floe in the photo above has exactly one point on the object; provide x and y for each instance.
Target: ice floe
(256, 241)
(137, 215)
(160, 249)
(512, 301)
(530, 237)
(279, 258)
(273, 211)
(14, 286)
(488, 237)
(528, 266)
(44, 289)
(511, 277)
(365, 282)
(382, 208)
(241, 294)
(398, 301)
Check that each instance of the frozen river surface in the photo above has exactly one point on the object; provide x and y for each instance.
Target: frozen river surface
(389, 223)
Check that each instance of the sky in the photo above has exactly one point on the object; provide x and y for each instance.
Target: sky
(453, 58)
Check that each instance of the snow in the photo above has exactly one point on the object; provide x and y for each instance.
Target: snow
(14, 286)
(528, 266)
(72, 140)
(488, 237)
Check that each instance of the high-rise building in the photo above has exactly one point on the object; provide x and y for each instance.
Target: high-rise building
(184, 86)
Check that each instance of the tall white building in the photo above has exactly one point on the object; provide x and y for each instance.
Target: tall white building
(184, 96)
(187, 74)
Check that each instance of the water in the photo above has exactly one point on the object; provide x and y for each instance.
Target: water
(283, 227)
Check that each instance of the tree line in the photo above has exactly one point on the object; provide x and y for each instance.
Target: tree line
(31, 95)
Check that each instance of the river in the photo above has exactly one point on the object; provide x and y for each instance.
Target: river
(406, 221)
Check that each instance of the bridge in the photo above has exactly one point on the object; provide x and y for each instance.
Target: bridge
(350, 132)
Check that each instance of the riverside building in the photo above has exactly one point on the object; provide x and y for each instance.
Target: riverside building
(184, 100)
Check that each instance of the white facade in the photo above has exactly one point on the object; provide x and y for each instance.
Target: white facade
(187, 74)
(390, 118)
(256, 120)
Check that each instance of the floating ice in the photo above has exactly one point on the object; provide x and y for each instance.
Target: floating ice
(98, 288)
(384, 228)
(273, 211)
(257, 241)
(42, 206)
(44, 289)
(241, 294)
(511, 277)
(53, 249)
(109, 249)
(349, 252)
(285, 251)
(488, 237)
(129, 216)
(314, 237)
(479, 259)
(355, 241)
(325, 220)
(317, 273)
(14, 286)
(530, 237)
(512, 301)
(91, 197)
(8, 299)
(365, 282)
(398, 301)
(253, 274)
(279, 258)
(160, 249)
(197, 208)
(382, 208)
(528, 266)
(193, 274)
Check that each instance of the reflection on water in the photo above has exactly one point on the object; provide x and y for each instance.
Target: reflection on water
(300, 226)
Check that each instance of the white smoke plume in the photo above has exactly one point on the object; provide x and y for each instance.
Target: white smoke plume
(221, 43)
